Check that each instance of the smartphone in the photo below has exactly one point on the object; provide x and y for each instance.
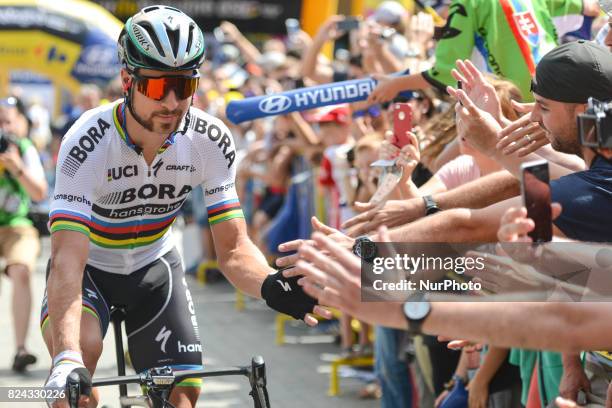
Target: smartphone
(348, 24)
(536, 197)
(402, 124)
(292, 25)
(219, 34)
(581, 398)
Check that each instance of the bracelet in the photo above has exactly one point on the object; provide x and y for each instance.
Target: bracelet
(449, 384)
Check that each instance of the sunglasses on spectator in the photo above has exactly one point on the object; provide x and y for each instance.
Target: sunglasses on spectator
(157, 88)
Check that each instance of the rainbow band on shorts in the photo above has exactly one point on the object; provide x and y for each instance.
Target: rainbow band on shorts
(87, 308)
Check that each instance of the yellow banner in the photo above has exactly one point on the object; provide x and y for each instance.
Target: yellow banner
(40, 52)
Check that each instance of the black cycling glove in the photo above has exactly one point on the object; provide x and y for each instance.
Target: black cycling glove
(286, 296)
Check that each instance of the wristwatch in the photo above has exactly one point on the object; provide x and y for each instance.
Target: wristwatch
(365, 248)
(431, 207)
(416, 309)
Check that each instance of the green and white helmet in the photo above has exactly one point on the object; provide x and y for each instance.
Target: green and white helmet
(161, 38)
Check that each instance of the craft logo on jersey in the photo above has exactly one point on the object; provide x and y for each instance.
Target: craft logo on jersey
(528, 26)
(275, 104)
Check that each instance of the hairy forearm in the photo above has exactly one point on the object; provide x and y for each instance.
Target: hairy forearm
(245, 267)
(455, 225)
(480, 193)
(570, 327)
(64, 298)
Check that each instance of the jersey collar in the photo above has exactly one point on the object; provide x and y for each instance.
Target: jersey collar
(119, 119)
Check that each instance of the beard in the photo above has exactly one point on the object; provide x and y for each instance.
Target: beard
(155, 126)
(565, 141)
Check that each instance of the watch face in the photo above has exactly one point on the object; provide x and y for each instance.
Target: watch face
(365, 249)
(416, 310)
(368, 250)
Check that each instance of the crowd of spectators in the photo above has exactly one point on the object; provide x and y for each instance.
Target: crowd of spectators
(311, 172)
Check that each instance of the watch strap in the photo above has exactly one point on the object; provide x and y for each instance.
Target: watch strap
(431, 207)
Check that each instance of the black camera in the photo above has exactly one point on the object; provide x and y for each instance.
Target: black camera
(595, 125)
(5, 142)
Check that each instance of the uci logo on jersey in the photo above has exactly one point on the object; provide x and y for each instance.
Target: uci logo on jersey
(275, 104)
(117, 173)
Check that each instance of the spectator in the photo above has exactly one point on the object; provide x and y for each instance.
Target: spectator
(505, 46)
(21, 179)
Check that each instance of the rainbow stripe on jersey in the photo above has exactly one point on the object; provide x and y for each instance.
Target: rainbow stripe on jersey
(123, 235)
(130, 234)
(68, 220)
(223, 211)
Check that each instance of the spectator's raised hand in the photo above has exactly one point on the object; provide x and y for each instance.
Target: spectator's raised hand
(478, 89)
(515, 225)
(329, 29)
(388, 151)
(503, 275)
(334, 282)
(409, 157)
(231, 31)
(522, 136)
(478, 126)
(467, 345)
(391, 213)
(301, 40)
(345, 241)
(385, 90)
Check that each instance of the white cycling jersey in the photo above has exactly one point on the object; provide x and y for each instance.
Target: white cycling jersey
(106, 190)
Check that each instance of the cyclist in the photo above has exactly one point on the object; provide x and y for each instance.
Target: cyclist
(123, 172)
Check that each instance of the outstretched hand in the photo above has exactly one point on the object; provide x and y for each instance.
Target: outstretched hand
(478, 89)
(522, 136)
(478, 126)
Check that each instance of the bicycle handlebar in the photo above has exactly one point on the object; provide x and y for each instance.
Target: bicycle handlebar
(161, 380)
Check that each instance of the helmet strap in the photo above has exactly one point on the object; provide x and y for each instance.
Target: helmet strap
(128, 101)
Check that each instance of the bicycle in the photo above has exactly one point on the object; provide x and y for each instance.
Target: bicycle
(159, 381)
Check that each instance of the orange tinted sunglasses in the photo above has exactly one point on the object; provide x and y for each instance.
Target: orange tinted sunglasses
(157, 88)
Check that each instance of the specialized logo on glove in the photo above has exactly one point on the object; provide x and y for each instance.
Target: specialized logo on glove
(286, 296)
(285, 285)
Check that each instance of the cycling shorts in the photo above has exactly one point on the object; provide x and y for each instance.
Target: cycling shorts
(160, 321)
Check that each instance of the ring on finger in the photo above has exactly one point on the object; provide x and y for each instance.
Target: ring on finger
(528, 137)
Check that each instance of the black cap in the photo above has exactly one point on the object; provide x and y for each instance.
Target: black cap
(573, 72)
